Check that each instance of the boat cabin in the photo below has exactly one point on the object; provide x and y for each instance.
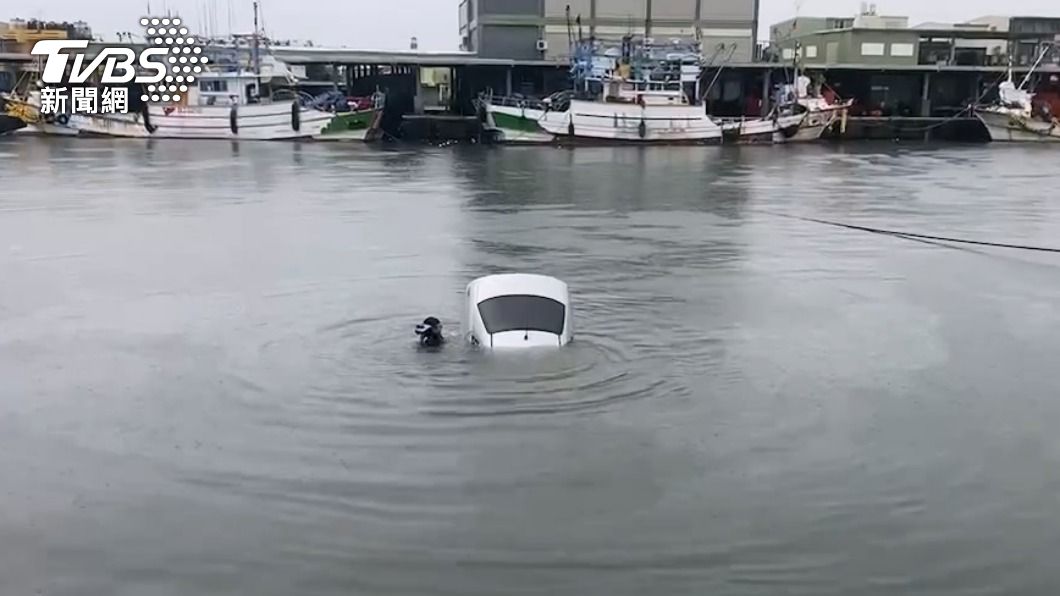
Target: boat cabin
(225, 88)
(518, 311)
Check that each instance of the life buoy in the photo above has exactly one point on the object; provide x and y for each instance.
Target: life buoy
(62, 119)
(296, 116)
(642, 129)
(145, 112)
(233, 117)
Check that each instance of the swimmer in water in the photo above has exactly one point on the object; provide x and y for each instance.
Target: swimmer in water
(430, 332)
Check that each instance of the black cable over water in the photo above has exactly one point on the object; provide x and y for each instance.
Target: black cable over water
(911, 235)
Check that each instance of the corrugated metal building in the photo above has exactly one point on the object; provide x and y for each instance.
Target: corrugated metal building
(539, 29)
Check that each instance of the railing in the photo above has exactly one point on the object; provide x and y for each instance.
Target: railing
(556, 101)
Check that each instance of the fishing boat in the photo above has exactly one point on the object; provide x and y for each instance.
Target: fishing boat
(356, 118)
(223, 105)
(1015, 117)
(641, 94)
(777, 128)
(819, 112)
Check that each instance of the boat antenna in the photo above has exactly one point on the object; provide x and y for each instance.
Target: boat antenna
(257, 58)
(570, 30)
(581, 36)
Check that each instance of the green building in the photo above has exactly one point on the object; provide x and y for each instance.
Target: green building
(867, 39)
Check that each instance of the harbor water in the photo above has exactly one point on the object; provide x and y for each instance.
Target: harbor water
(210, 382)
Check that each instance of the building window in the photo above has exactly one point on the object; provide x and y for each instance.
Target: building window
(788, 54)
(811, 51)
(904, 50)
(872, 49)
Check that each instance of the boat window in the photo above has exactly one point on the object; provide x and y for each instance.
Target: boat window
(522, 313)
(213, 86)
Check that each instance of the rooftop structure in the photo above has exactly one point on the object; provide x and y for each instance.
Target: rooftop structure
(869, 39)
(545, 29)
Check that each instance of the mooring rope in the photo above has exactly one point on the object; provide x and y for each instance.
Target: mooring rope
(912, 235)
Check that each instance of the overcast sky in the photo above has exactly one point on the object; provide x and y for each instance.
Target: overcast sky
(388, 24)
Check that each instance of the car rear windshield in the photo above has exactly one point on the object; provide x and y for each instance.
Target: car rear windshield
(522, 313)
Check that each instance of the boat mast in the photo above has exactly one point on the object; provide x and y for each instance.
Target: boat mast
(1037, 63)
(256, 55)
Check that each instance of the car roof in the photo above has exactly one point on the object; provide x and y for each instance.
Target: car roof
(518, 284)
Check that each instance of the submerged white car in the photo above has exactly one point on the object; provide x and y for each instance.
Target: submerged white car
(518, 311)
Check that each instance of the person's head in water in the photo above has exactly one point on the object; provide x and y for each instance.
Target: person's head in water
(430, 332)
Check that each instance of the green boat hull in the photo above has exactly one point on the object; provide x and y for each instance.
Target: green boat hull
(353, 126)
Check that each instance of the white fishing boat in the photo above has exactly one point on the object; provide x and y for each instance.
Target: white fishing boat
(819, 114)
(222, 105)
(639, 94)
(640, 112)
(1013, 118)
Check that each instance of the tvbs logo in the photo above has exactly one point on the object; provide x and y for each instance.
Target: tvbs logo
(166, 67)
(120, 65)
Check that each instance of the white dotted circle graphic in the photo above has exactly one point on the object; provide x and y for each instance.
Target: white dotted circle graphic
(145, 97)
(180, 46)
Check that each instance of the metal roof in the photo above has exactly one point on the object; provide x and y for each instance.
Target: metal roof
(941, 33)
(306, 55)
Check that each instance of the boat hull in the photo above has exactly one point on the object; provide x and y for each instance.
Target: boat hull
(762, 130)
(359, 126)
(516, 125)
(249, 122)
(1007, 128)
(816, 122)
(10, 124)
(631, 123)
